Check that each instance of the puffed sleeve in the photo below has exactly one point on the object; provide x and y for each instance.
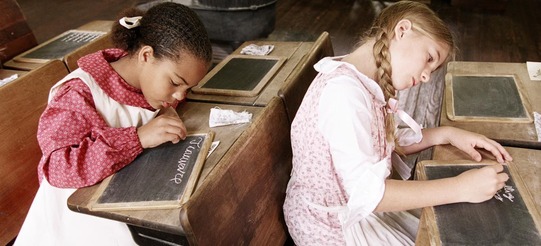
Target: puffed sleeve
(345, 113)
(407, 136)
(79, 148)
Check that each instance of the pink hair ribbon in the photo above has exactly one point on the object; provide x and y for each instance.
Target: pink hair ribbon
(392, 108)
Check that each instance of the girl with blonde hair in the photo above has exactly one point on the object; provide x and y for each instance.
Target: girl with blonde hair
(344, 135)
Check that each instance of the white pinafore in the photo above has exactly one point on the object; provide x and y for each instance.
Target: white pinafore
(49, 220)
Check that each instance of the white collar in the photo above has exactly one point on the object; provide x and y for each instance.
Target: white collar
(329, 64)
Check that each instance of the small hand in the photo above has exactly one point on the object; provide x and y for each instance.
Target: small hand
(479, 185)
(164, 128)
(469, 141)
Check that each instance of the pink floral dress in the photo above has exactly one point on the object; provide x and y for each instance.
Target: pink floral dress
(340, 162)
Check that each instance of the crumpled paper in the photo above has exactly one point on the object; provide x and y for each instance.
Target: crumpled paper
(258, 50)
(534, 70)
(537, 122)
(223, 117)
(8, 79)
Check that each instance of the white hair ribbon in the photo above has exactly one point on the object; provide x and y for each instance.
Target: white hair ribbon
(130, 22)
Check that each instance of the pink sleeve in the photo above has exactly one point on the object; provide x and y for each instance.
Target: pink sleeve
(79, 148)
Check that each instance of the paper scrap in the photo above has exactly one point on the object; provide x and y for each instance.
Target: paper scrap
(8, 79)
(537, 122)
(213, 147)
(223, 117)
(534, 70)
(258, 50)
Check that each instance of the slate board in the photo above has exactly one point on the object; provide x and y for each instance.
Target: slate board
(59, 46)
(240, 75)
(509, 219)
(160, 177)
(493, 98)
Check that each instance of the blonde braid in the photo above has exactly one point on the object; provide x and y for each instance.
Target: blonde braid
(425, 21)
(383, 77)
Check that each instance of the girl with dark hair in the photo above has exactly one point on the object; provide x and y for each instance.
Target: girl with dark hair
(101, 116)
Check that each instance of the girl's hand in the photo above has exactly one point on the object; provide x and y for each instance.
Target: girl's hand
(468, 141)
(164, 128)
(479, 185)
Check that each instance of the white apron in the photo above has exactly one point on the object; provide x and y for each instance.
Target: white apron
(49, 220)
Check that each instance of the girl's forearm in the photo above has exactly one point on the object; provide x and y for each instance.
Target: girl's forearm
(431, 137)
(404, 195)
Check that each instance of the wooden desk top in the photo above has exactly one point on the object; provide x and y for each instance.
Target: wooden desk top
(97, 25)
(512, 132)
(293, 51)
(526, 161)
(195, 116)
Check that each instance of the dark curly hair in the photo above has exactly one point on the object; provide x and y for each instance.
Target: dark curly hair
(171, 29)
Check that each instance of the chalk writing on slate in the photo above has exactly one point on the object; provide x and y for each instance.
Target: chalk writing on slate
(161, 177)
(503, 220)
(59, 46)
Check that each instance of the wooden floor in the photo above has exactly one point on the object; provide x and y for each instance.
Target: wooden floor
(513, 35)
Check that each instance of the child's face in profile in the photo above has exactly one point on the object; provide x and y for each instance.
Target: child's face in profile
(165, 82)
(414, 57)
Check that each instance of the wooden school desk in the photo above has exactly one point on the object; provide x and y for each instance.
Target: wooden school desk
(240, 191)
(70, 59)
(195, 116)
(6, 73)
(526, 161)
(299, 58)
(22, 102)
(510, 131)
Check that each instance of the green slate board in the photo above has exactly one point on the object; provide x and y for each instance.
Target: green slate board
(240, 75)
(503, 220)
(491, 98)
(160, 177)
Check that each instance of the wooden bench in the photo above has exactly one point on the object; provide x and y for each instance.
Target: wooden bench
(297, 83)
(23, 101)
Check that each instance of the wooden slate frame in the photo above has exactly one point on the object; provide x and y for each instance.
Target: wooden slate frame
(24, 56)
(450, 101)
(160, 204)
(430, 216)
(202, 89)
